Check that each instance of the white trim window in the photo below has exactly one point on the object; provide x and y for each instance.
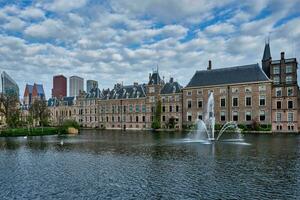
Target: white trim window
(289, 91)
(248, 116)
(189, 103)
(189, 93)
(189, 116)
(289, 79)
(222, 116)
(278, 92)
(290, 116)
(235, 101)
(262, 88)
(248, 101)
(262, 115)
(288, 69)
(262, 100)
(278, 116)
(235, 116)
(248, 89)
(276, 70)
(199, 92)
(276, 80)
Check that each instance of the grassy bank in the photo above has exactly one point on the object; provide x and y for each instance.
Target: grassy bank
(29, 132)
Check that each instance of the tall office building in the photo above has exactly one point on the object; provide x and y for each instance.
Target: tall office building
(90, 84)
(8, 85)
(76, 86)
(59, 86)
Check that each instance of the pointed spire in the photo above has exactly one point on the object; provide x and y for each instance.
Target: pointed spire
(267, 52)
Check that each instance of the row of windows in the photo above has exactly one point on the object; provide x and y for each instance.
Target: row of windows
(290, 116)
(288, 69)
(170, 98)
(290, 104)
(261, 88)
(235, 116)
(171, 108)
(123, 109)
(125, 119)
(235, 102)
(289, 92)
(288, 79)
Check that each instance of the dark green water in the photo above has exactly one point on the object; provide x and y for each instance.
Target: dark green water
(144, 165)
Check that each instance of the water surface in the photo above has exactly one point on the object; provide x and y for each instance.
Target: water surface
(145, 165)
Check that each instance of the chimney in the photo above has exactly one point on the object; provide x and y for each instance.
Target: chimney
(171, 80)
(149, 76)
(209, 65)
(282, 55)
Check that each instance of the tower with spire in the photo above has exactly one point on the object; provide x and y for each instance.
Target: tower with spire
(266, 60)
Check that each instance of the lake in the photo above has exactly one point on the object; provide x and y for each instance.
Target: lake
(146, 165)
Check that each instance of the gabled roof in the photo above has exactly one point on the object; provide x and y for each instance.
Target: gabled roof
(171, 87)
(230, 75)
(39, 89)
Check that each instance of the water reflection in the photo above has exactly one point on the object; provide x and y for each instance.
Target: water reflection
(113, 164)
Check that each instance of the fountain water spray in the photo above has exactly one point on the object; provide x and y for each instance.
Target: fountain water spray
(206, 129)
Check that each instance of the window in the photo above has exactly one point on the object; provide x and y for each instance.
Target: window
(163, 109)
(137, 108)
(200, 116)
(177, 108)
(163, 118)
(248, 116)
(199, 103)
(189, 103)
(278, 104)
(137, 118)
(288, 69)
(278, 117)
(248, 89)
(262, 88)
(223, 102)
(223, 117)
(278, 92)
(144, 118)
(235, 101)
(276, 80)
(248, 101)
(234, 90)
(262, 115)
(235, 116)
(151, 90)
(171, 109)
(288, 79)
(262, 100)
(177, 98)
(189, 93)
(289, 91)
(222, 91)
(199, 92)
(276, 70)
(163, 99)
(189, 117)
(290, 104)
(144, 108)
(152, 99)
(290, 117)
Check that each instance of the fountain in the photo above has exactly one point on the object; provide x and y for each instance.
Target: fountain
(205, 129)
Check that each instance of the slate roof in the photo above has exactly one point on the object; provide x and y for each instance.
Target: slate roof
(125, 92)
(267, 52)
(231, 75)
(40, 89)
(171, 87)
(155, 79)
(94, 93)
(66, 101)
(30, 88)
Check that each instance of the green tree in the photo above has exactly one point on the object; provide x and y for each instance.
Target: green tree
(9, 107)
(157, 116)
(40, 112)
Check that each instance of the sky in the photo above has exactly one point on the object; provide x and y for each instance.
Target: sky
(114, 41)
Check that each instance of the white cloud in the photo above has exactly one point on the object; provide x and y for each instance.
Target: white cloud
(221, 28)
(64, 5)
(14, 24)
(32, 13)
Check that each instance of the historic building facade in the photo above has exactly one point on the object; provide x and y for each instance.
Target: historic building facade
(246, 94)
(241, 94)
(285, 91)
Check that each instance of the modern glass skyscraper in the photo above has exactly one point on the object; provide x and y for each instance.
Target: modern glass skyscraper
(90, 84)
(76, 86)
(8, 85)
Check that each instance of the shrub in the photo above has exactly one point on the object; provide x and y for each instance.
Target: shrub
(68, 124)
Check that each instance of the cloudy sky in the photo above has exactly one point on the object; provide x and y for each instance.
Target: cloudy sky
(123, 40)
